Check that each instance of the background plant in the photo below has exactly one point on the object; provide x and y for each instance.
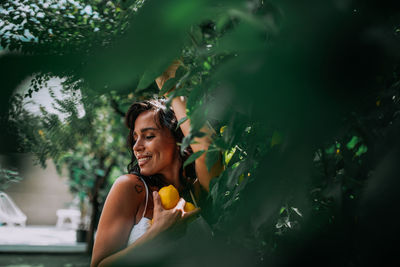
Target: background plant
(7, 177)
(88, 142)
(303, 98)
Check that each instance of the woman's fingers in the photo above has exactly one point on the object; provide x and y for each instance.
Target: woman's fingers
(189, 214)
(180, 205)
(169, 217)
(157, 200)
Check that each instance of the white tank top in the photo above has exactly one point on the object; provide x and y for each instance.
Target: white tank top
(144, 223)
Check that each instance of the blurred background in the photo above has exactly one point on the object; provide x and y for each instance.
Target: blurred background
(303, 97)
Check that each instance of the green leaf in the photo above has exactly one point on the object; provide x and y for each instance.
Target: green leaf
(228, 155)
(234, 176)
(361, 150)
(147, 78)
(330, 150)
(81, 195)
(189, 139)
(194, 97)
(220, 142)
(181, 121)
(198, 134)
(217, 189)
(99, 172)
(213, 183)
(214, 189)
(282, 210)
(170, 83)
(353, 142)
(276, 139)
(207, 65)
(186, 142)
(193, 157)
(171, 96)
(89, 183)
(198, 119)
(211, 158)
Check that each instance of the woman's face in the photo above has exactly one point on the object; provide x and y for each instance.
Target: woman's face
(155, 148)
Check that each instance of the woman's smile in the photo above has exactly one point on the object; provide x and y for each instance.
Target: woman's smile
(143, 160)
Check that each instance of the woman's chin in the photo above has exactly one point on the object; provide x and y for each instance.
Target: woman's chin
(146, 172)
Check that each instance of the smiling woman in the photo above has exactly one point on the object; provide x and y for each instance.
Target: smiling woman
(156, 161)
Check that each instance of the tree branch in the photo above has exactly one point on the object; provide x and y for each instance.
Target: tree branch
(116, 108)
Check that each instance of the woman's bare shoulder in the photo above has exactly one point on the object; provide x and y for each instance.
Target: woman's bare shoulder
(128, 183)
(127, 190)
(127, 179)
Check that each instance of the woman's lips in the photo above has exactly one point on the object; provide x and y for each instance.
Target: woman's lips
(143, 160)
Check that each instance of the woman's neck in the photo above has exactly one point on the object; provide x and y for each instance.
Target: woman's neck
(172, 176)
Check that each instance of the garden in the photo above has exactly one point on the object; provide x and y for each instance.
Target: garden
(303, 98)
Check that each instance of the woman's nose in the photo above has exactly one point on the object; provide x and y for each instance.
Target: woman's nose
(138, 146)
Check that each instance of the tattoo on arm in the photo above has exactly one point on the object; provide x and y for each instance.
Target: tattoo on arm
(138, 188)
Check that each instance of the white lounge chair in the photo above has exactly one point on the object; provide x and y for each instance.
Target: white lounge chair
(10, 214)
(68, 218)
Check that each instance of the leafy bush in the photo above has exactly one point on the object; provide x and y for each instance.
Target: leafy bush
(303, 97)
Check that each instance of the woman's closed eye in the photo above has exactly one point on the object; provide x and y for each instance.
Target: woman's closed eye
(148, 137)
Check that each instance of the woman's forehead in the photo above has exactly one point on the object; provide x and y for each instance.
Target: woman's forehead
(146, 119)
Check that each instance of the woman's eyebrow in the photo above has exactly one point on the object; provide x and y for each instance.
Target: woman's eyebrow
(148, 129)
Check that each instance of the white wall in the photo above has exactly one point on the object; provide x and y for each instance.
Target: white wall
(41, 192)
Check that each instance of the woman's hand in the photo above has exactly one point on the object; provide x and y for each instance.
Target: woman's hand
(164, 219)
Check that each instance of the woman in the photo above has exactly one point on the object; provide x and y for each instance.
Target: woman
(125, 222)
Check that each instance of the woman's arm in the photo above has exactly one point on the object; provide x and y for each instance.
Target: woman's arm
(200, 143)
(179, 106)
(117, 220)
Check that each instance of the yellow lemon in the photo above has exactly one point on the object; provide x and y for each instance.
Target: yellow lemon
(169, 197)
(189, 207)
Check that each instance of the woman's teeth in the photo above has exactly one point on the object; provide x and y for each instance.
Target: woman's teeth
(143, 160)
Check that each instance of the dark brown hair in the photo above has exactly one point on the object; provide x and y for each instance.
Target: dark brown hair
(165, 117)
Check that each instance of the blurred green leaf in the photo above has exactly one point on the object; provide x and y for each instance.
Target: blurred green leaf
(353, 142)
(361, 150)
(193, 157)
(181, 121)
(212, 156)
(99, 172)
(330, 150)
(171, 83)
